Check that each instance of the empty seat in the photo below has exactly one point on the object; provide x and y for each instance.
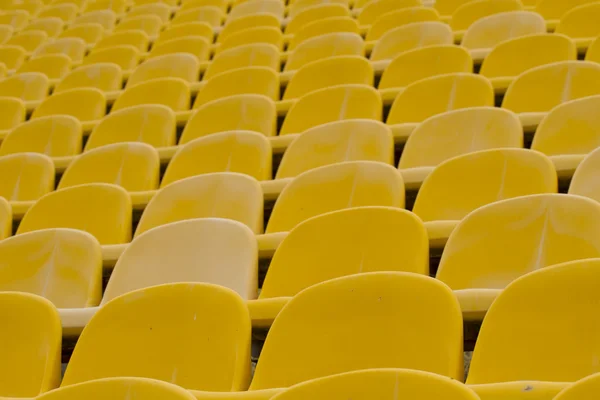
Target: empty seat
(218, 195)
(261, 34)
(28, 40)
(189, 4)
(53, 26)
(242, 151)
(106, 18)
(322, 27)
(33, 7)
(90, 33)
(104, 76)
(153, 124)
(339, 243)
(447, 7)
(28, 86)
(330, 143)
(297, 6)
(220, 335)
(148, 24)
(125, 56)
(133, 166)
(250, 55)
(79, 3)
(554, 10)
(171, 92)
(313, 13)
(472, 11)
(197, 46)
(201, 29)
(161, 10)
(336, 187)
(540, 301)
(328, 45)
(6, 31)
(536, 91)
(72, 47)
(100, 209)
(12, 56)
(62, 265)
(584, 389)
(404, 16)
(374, 9)
(584, 178)
(135, 37)
(251, 7)
(515, 237)
(6, 218)
(16, 18)
(580, 24)
(13, 113)
(31, 345)
(210, 14)
(85, 104)
(251, 112)
(54, 66)
(118, 6)
(237, 25)
(66, 12)
(178, 65)
(25, 176)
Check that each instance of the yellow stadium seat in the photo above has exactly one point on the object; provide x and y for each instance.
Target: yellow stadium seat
(16, 18)
(593, 53)
(253, 7)
(328, 45)
(62, 265)
(6, 31)
(499, 242)
(447, 7)
(404, 16)
(360, 321)
(210, 14)
(12, 56)
(53, 26)
(6, 218)
(362, 239)
(33, 7)
(197, 46)
(133, 166)
(171, 92)
(295, 7)
(161, 10)
(13, 113)
(379, 383)
(421, 63)
(106, 18)
(250, 55)
(79, 3)
(251, 112)
(25, 177)
(54, 66)
(322, 27)
(125, 56)
(104, 76)
(201, 29)
(149, 24)
(236, 25)
(580, 24)
(374, 9)
(568, 133)
(100, 209)
(85, 104)
(584, 178)
(118, 6)
(245, 152)
(455, 133)
(464, 183)
(336, 187)
(485, 33)
(31, 344)
(74, 48)
(189, 4)
(539, 302)
(314, 13)
(219, 335)
(536, 91)
(28, 40)
(170, 3)
(261, 34)
(66, 12)
(554, 10)
(228, 195)
(135, 37)
(584, 389)
(472, 11)
(249, 80)
(177, 65)
(120, 389)
(436, 95)
(91, 32)
(153, 124)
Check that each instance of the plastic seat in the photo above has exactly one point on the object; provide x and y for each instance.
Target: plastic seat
(197, 46)
(13, 113)
(472, 11)
(454, 133)
(31, 345)
(403, 16)
(28, 40)
(119, 389)
(209, 14)
(250, 55)
(314, 13)
(149, 24)
(118, 6)
(201, 29)
(536, 91)
(538, 301)
(6, 218)
(79, 3)
(249, 80)
(54, 66)
(6, 31)
(66, 12)
(447, 7)
(261, 34)
(62, 265)
(584, 389)
(53, 26)
(103, 76)
(125, 56)
(16, 18)
(171, 92)
(153, 124)
(100, 209)
(133, 166)
(85, 104)
(252, 7)
(25, 177)
(161, 10)
(328, 45)
(554, 10)
(32, 7)
(29, 86)
(189, 4)
(297, 6)
(220, 336)
(250, 112)
(436, 95)
(583, 182)
(349, 140)
(106, 18)
(262, 20)
(374, 9)
(177, 65)
(74, 48)
(324, 26)
(12, 56)
(336, 187)
(135, 37)
(515, 237)
(245, 152)
(579, 24)
(90, 33)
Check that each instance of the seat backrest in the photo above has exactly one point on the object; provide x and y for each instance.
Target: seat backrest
(584, 178)
(233, 26)
(314, 13)
(259, 34)
(103, 76)
(250, 112)
(66, 12)
(374, 9)
(149, 24)
(54, 136)
(249, 55)
(125, 56)
(347, 242)
(339, 141)
(201, 29)
(540, 302)
(62, 265)
(218, 195)
(251, 7)
(336, 187)
(585, 388)
(53, 26)
(171, 92)
(334, 103)
(197, 46)
(15, 18)
(323, 26)
(72, 47)
(12, 56)
(6, 32)
(328, 45)
(189, 4)
(472, 11)
(210, 14)
(85, 104)
(487, 32)
(580, 21)
(403, 16)
(411, 36)
(371, 311)
(563, 81)
(593, 52)
(90, 32)
(26, 176)
(54, 66)
(192, 320)
(499, 242)
(31, 345)
(13, 112)
(133, 37)
(177, 65)
(556, 9)
(161, 10)
(98, 208)
(118, 6)
(464, 183)
(245, 152)
(106, 18)
(29, 40)
(438, 94)
(447, 7)
(211, 250)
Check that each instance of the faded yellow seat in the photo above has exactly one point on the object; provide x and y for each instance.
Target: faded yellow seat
(134, 37)
(66, 12)
(28, 40)
(262, 20)
(125, 56)
(148, 24)
(295, 7)
(171, 92)
(197, 46)
(85, 104)
(249, 55)
(210, 14)
(322, 27)
(178, 65)
(314, 13)
(13, 113)
(497, 243)
(32, 7)
(554, 10)
(374, 9)
(201, 29)
(79, 3)
(584, 389)
(31, 87)
(118, 6)
(6, 218)
(54, 66)
(12, 56)
(395, 19)
(455, 133)
(16, 18)
(189, 4)
(103, 76)
(447, 7)
(580, 24)
(90, 32)
(53, 26)
(584, 178)
(253, 7)
(345, 242)
(260, 34)
(6, 31)
(31, 345)
(72, 47)
(161, 10)
(106, 18)
(472, 11)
